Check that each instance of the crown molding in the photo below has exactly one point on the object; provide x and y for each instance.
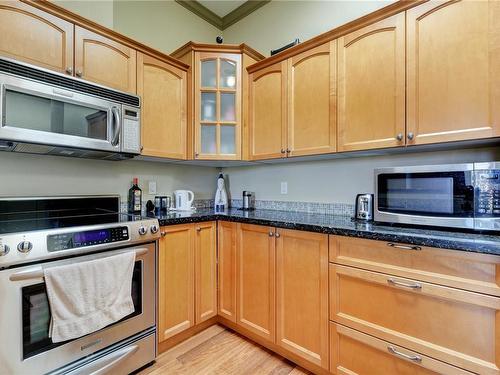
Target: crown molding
(229, 19)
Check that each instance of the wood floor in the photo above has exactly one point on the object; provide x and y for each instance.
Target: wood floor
(220, 351)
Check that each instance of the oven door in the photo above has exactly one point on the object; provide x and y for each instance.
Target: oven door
(428, 195)
(25, 316)
(39, 113)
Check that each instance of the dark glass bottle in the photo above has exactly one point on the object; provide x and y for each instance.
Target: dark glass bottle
(135, 198)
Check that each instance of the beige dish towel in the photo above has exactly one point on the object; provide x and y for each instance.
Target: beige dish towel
(87, 296)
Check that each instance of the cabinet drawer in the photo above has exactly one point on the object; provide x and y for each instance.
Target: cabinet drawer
(451, 325)
(347, 346)
(458, 269)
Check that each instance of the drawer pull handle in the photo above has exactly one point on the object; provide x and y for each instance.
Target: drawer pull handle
(413, 358)
(414, 286)
(404, 247)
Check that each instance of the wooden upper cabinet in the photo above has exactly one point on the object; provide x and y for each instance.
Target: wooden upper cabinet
(453, 71)
(227, 269)
(163, 91)
(267, 117)
(302, 294)
(256, 280)
(104, 61)
(34, 36)
(205, 271)
(371, 86)
(312, 101)
(175, 281)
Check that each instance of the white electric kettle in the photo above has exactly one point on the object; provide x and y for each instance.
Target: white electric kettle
(183, 200)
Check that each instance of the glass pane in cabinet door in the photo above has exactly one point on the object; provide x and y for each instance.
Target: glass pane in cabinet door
(228, 106)
(208, 73)
(227, 139)
(227, 74)
(208, 139)
(207, 110)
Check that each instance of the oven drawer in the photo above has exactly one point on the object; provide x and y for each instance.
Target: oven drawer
(451, 325)
(348, 346)
(458, 269)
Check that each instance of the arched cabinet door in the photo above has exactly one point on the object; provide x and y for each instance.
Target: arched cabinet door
(371, 86)
(311, 101)
(104, 61)
(267, 112)
(36, 37)
(163, 91)
(453, 71)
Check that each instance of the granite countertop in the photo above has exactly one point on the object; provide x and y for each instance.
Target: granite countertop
(344, 226)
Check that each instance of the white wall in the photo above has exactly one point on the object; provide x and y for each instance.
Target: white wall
(27, 175)
(164, 25)
(336, 181)
(281, 21)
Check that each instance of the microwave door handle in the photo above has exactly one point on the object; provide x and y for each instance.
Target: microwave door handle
(118, 128)
(37, 272)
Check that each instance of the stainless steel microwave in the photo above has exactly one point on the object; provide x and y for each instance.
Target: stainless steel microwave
(44, 112)
(455, 195)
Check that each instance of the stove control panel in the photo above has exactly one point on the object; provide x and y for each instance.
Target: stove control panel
(65, 241)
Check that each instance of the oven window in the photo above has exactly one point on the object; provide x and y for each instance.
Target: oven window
(54, 116)
(440, 194)
(36, 314)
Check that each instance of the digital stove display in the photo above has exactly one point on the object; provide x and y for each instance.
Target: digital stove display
(65, 241)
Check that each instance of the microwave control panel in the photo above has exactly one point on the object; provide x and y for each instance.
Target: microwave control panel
(487, 192)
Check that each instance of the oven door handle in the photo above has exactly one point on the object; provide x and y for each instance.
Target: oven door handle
(37, 272)
(114, 360)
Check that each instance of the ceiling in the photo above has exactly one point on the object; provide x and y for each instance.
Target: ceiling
(221, 7)
(222, 13)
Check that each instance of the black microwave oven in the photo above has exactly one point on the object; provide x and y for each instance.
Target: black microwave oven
(454, 195)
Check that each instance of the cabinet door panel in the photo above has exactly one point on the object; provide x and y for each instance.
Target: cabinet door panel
(311, 101)
(36, 37)
(176, 281)
(453, 71)
(104, 61)
(371, 86)
(227, 270)
(256, 280)
(163, 91)
(267, 115)
(302, 294)
(451, 325)
(205, 271)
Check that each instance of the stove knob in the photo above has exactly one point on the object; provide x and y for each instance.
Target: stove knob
(154, 229)
(24, 247)
(143, 230)
(4, 250)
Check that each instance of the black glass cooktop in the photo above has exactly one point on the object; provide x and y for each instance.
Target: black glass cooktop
(23, 215)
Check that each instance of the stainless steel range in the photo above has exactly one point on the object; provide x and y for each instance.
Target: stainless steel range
(39, 233)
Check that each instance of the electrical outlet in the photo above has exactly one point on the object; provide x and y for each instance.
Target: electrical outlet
(284, 187)
(152, 187)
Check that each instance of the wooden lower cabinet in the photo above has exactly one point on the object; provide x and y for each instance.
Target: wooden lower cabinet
(205, 255)
(353, 352)
(175, 281)
(255, 272)
(186, 277)
(226, 249)
(452, 325)
(302, 294)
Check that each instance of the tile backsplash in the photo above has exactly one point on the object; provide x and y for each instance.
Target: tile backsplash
(309, 207)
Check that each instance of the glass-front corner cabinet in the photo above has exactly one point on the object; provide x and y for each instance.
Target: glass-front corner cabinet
(217, 106)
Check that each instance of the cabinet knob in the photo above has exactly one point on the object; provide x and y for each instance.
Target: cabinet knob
(79, 73)
(399, 137)
(283, 150)
(198, 229)
(163, 233)
(277, 235)
(288, 151)
(411, 136)
(69, 71)
(271, 234)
